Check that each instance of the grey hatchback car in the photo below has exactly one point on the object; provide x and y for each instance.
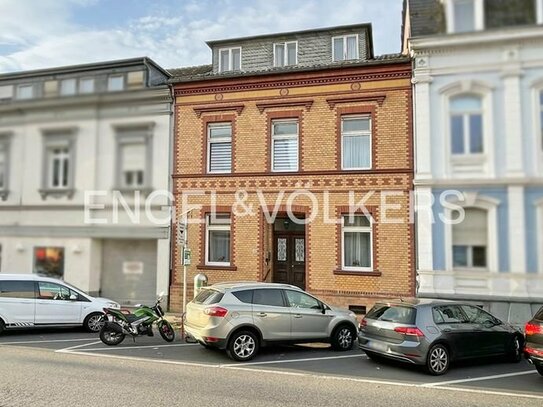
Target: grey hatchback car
(433, 333)
(242, 317)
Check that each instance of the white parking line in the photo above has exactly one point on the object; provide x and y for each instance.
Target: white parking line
(437, 386)
(65, 350)
(477, 379)
(48, 341)
(271, 362)
(140, 347)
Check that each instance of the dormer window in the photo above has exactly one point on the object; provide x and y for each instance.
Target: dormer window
(345, 47)
(67, 87)
(465, 16)
(230, 59)
(285, 53)
(25, 92)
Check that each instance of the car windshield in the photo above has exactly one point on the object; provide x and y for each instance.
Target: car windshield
(393, 313)
(74, 287)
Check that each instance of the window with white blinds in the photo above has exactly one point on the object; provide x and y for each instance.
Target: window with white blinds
(219, 151)
(133, 159)
(356, 142)
(470, 240)
(285, 145)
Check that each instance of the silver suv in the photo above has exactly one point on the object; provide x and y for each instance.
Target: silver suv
(241, 317)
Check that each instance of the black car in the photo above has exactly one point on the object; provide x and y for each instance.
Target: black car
(534, 341)
(434, 333)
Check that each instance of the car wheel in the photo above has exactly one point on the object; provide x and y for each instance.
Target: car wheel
(438, 360)
(2, 326)
(515, 355)
(94, 322)
(539, 368)
(343, 338)
(242, 346)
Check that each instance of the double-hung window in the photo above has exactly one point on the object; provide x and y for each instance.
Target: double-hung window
(466, 115)
(217, 249)
(285, 145)
(356, 142)
(230, 59)
(285, 53)
(59, 166)
(345, 47)
(219, 147)
(357, 243)
(470, 240)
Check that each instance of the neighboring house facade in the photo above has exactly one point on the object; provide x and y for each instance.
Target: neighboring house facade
(294, 122)
(65, 132)
(478, 103)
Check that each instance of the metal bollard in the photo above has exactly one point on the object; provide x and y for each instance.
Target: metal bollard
(200, 280)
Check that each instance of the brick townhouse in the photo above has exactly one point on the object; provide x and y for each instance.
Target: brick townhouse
(308, 124)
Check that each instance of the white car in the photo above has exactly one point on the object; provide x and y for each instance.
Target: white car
(30, 300)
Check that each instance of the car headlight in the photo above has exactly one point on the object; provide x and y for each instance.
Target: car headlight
(113, 305)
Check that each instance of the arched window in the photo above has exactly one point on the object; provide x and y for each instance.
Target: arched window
(466, 115)
(470, 240)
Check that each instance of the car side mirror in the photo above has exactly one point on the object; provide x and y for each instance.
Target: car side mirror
(73, 297)
(323, 309)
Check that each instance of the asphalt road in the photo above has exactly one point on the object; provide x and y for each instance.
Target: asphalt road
(71, 368)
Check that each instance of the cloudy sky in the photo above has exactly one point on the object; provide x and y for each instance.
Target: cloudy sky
(44, 33)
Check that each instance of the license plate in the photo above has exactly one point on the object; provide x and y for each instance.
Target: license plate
(381, 347)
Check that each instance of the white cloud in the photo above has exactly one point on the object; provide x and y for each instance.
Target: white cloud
(49, 37)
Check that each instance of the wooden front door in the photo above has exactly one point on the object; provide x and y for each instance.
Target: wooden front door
(289, 259)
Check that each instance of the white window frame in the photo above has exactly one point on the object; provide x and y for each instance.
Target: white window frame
(65, 158)
(539, 10)
(5, 147)
(230, 60)
(537, 89)
(473, 165)
(478, 14)
(285, 53)
(53, 139)
(219, 140)
(296, 137)
(354, 134)
(27, 86)
(134, 134)
(209, 228)
(474, 200)
(62, 89)
(356, 229)
(344, 37)
(469, 258)
(465, 114)
(81, 81)
(110, 77)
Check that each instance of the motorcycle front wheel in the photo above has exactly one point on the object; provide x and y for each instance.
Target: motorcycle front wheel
(110, 337)
(166, 331)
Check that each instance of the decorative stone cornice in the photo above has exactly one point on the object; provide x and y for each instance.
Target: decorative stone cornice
(218, 108)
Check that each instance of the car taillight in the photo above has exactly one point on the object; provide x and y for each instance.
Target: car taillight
(533, 351)
(406, 330)
(363, 323)
(533, 329)
(216, 311)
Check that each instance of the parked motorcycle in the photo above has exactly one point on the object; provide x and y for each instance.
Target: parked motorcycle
(139, 323)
